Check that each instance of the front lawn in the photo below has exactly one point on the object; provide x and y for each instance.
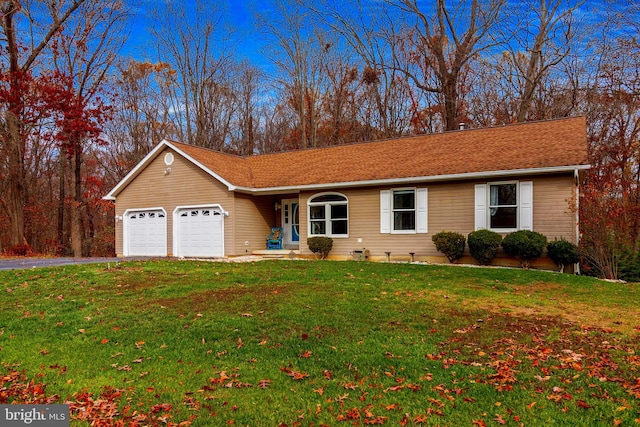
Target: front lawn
(320, 343)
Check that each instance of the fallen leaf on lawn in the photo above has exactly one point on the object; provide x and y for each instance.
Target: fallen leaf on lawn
(419, 419)
(584, 405)
(104, 341)
(294, 374)
(499, 419)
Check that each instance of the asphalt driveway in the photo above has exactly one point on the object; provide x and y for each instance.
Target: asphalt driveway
(24, 263)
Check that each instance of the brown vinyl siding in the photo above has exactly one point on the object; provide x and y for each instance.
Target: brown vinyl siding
(185, 185)
(253, 217)
(450, 208)
(553, 215)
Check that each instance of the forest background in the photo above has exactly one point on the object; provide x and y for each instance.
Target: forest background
(88, 87)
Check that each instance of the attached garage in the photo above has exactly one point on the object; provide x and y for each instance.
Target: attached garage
(199, 231)
(145, 232)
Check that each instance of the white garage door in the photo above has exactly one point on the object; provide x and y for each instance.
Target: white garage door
(146, 233)
(200, 232)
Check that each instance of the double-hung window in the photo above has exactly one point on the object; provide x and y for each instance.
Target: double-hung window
(403, 211)
(504, 206)
(329, 215)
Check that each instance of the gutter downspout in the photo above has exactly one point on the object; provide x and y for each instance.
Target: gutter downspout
(576, 175)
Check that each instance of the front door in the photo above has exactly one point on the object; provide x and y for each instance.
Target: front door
(291, 222)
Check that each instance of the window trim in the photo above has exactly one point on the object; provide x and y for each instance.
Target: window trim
(327, 213)
(517, 206)
(415, 211)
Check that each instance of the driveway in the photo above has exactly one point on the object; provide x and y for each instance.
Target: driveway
(24, 263)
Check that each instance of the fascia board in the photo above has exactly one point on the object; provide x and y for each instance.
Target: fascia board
(418, 179)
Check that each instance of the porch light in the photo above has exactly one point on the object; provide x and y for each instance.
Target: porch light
(277, 206)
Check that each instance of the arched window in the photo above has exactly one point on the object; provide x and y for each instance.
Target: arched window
(328, 215)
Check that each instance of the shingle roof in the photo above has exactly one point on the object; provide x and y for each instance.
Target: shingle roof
(533, 145)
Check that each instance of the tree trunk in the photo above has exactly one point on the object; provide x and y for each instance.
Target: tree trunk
(76, 206)
(61, 198)
(450, 94)
(15, 196)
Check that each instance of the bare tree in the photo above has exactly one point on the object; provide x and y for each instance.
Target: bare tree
(435, 46)
(247, 89)
(540, 35)
(368, 29)
(191, 38)
(298, 51)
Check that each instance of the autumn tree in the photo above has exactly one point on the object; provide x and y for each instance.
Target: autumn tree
(26, 42)
(84, 51)
(611, 199)
(141, 117)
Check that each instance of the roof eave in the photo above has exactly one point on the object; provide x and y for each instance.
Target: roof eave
(418, 179)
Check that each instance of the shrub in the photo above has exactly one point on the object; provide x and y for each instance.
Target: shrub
(19, 250)
(629, 266)
(321, 246)
(563, 253)
(450, 243)
(483, 245)
(525, 245)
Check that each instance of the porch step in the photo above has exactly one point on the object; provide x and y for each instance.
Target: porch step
(276, 253)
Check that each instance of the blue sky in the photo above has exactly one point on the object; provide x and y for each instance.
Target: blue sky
(250, 43)
(240, 15)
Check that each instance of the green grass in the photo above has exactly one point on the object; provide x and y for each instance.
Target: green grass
(321, 343)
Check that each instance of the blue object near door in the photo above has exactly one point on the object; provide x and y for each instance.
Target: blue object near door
(274, 240)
